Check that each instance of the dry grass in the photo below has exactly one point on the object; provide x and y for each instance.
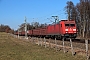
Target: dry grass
(15, 49)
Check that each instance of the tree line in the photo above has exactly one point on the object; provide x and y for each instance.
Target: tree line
(81, 14)
(6, 28)
(33, 25)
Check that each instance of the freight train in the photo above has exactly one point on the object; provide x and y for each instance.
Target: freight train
(64, 28)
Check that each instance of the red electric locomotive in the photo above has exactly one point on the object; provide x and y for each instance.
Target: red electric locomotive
(65, 28)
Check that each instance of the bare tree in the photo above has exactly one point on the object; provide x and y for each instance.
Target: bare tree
(83, 9)
(70, 10)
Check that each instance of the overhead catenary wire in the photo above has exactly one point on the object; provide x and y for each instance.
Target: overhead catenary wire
(46, 16)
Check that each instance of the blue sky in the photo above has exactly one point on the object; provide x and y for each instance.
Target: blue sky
(13, 12)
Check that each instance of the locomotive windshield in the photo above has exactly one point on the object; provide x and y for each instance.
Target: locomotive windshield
(71, 25)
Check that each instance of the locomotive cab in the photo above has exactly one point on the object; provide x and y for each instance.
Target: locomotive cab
(69, 29)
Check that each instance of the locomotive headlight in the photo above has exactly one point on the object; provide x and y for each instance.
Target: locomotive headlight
(74, 29)
(66, 29)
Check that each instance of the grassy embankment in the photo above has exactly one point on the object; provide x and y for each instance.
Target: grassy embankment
(14, 49)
